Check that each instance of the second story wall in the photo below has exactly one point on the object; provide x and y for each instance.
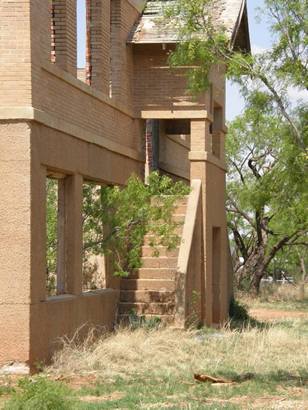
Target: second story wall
(157, 86)
(123, 16)
(15, 54)
(39, 71)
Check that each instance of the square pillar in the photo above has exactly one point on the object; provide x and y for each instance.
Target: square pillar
(200, 136)
(15, 239)
(100, 37)
(73, 233)
(64, 35)
(211, 171)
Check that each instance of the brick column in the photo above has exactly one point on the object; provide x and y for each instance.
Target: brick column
(211, 171)
(73, 233)
(117, 63)
(99, 43)
(64, 35)
(15, 238)
(199, 146)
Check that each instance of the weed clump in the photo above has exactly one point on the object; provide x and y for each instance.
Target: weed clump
(41, 394)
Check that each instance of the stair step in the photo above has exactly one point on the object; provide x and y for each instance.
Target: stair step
(165, 319)
(148, 284)
(180, 210)
(144, 296)
(178, 202)
(146, 308)
(154, 273)
(159, 262)
(163, 251)
(177, 217)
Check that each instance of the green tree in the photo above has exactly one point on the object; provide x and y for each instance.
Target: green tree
(267, 195)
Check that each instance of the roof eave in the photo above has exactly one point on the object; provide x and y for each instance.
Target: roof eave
(240, 37)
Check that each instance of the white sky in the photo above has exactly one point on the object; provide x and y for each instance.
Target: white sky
(260, 38)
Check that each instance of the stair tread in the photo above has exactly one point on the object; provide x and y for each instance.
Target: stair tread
(146, 303)
(159, 247)
(157, 269)
(159, 257)
(148, 315)
(136, 291)
(150, 279)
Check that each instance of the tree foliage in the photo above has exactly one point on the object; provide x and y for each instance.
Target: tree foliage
(267, 196)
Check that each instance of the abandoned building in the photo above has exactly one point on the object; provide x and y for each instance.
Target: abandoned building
(92, 125)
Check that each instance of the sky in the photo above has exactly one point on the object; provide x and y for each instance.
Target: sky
(81, 33)
(260, 38)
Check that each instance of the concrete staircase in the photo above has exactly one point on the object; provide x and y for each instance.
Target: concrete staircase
(150, 291)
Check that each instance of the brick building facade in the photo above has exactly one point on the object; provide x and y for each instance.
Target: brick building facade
(54, 124)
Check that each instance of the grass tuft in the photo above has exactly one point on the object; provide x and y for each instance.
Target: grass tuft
(40, 394)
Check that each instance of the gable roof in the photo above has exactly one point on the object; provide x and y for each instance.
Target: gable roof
(232, 14)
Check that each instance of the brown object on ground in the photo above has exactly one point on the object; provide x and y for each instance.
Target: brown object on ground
(204, 378)
(209, 379)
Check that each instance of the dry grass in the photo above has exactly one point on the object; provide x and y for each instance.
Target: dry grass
(273, 296)
(154, 369)
(179, 354)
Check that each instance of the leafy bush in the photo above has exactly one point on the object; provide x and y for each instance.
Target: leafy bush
(41, 394)
(116, 219)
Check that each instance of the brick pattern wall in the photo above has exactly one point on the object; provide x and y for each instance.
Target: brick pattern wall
(54, 95)
(15, 55)
(99, 42)
(156, 87)
(123, 17)
(64, 34)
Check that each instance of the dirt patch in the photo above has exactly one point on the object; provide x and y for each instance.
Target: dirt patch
(271, 314)
(76, 382)
(99, 399)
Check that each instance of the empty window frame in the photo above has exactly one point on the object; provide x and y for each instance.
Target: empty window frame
(55, 233)
(83, 41)
(93, 269)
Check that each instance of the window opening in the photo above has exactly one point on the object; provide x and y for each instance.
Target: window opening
(55, 231)
(93, 269)
(83, 41)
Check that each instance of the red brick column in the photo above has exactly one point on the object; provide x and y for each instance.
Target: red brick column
(63, 35)
(98, 44)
